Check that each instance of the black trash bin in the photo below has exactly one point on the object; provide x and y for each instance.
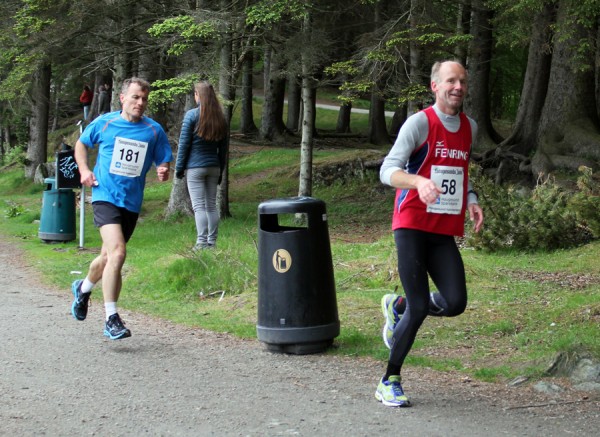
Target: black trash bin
(297, 307)
(57, 221)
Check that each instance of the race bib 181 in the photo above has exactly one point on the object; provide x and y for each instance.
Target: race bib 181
(128, 157)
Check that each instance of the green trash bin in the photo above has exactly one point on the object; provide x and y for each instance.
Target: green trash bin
(57, 221)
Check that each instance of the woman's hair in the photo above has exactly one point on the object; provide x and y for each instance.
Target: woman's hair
(212, 125)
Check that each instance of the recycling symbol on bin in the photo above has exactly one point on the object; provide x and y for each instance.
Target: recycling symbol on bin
(282, 260)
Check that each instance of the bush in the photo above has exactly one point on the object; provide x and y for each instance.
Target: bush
(548, 218)
(13, 210)
(586, 203)
(16, 155)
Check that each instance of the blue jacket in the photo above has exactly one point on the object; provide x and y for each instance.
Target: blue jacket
(195, 151)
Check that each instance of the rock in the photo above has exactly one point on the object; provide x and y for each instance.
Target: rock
(548, 388)
(519, 380)
(582, 370)
(586, 371)
(562, 364)
(588, 386)
(43, 171)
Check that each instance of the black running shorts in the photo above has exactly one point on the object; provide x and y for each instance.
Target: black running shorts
(105, 213)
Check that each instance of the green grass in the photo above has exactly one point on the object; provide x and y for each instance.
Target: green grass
(326, 118)
(523, 308)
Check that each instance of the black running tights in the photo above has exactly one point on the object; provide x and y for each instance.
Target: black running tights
(421, 254)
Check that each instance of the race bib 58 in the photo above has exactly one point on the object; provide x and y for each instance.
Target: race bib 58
(450, 179)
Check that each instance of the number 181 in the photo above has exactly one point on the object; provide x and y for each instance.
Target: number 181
(129, 155)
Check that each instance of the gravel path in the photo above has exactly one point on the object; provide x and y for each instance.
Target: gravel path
(61, 377)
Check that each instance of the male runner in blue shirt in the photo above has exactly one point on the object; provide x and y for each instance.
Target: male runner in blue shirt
(129, 143)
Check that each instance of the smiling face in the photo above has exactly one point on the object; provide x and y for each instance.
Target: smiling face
(450, 87)
(134, 102)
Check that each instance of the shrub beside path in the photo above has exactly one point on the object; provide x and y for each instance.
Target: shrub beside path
(62, 377)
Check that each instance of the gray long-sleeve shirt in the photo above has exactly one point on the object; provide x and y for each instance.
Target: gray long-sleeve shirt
(412, 134)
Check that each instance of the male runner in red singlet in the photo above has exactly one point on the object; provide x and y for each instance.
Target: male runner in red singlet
(429, 167)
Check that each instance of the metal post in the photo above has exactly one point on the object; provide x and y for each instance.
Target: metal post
(81, 216)
(81, 203)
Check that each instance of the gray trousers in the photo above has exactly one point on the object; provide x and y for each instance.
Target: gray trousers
(202, 185)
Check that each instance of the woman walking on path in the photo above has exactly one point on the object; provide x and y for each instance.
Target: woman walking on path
(202, 147)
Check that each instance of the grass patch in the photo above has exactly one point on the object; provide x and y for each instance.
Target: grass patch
(523, 308)
(326, 118)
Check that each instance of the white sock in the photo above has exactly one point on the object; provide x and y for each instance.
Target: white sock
(87, 285)
(110, 308)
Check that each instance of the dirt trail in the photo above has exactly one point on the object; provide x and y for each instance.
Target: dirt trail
(60, 377)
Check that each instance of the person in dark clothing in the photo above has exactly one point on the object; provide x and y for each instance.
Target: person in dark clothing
(103, 99)
(201, 155)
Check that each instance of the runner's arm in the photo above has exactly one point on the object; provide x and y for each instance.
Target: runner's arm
(81, 157)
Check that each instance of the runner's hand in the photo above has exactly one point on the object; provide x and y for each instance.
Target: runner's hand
(476, 216)
(162, 173)
(428, 191)
(88, 178)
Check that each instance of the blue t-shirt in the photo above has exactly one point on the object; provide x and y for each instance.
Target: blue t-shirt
(126, 152)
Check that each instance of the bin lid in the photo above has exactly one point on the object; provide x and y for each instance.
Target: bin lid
(291, 205)
(50, 183)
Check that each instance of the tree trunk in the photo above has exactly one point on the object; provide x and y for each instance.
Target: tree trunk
(294, 96)
(523, 137)
(477, 102)
(94, 110)
(272, 125)
(267, 128)
(121, 55)
(56, 108)
(3, 141)
(225, 80)
(8, 138)
(597, 63)
(377, 129)
(400, 116)
(308, 118)
(179, 199)
(344, 117)
(415, 77)
(306, 144)
(463, 27)
(120, 74)
(247, 125)
(228, 94)
(569, 125)
(148, 65)
(345, 113)
(378, 133)
(37, 149)
(278, 96)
